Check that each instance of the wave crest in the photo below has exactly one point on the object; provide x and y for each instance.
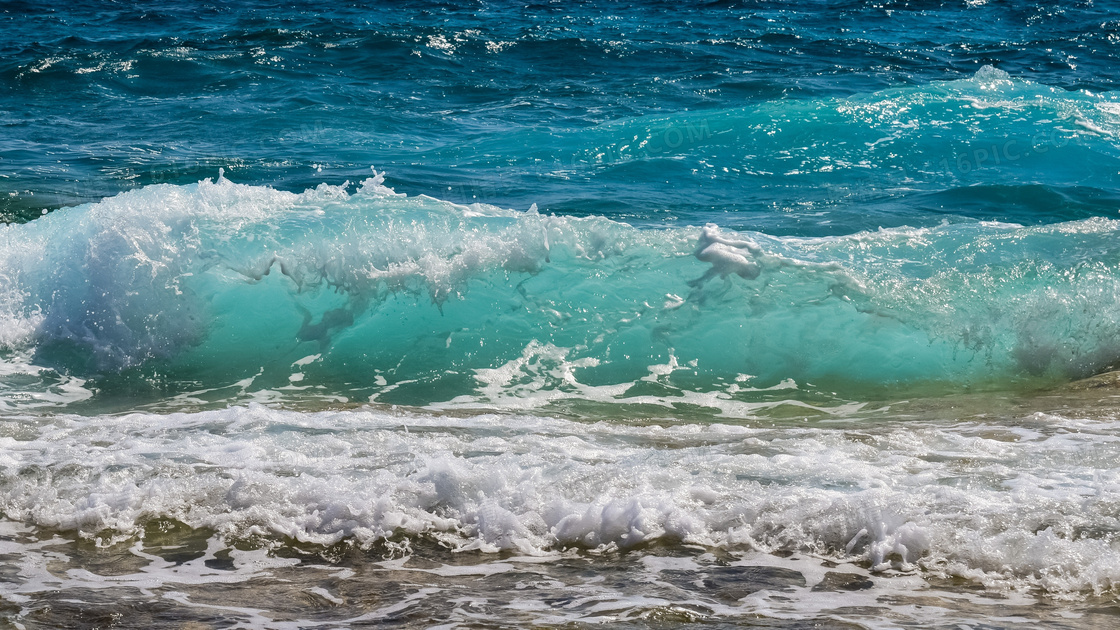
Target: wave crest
(384, 287)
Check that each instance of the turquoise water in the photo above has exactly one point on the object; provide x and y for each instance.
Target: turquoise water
(372, 295)
(761, 312)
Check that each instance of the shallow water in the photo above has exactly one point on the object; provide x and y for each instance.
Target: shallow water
(923, 513)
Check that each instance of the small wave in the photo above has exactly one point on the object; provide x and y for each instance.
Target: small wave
(216, 282)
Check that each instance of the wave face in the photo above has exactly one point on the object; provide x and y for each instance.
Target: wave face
(372, 295)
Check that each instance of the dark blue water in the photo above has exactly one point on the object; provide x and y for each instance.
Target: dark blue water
(514, 104)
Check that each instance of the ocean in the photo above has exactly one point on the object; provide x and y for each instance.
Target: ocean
(540, 314)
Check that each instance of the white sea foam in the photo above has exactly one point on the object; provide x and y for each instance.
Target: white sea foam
(1011, 508)
(544, 375)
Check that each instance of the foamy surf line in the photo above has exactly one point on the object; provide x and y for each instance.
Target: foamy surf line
(1022, 507)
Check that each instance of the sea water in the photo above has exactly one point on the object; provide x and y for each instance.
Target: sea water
(506, 314)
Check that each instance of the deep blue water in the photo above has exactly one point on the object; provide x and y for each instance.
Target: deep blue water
(519, 103)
